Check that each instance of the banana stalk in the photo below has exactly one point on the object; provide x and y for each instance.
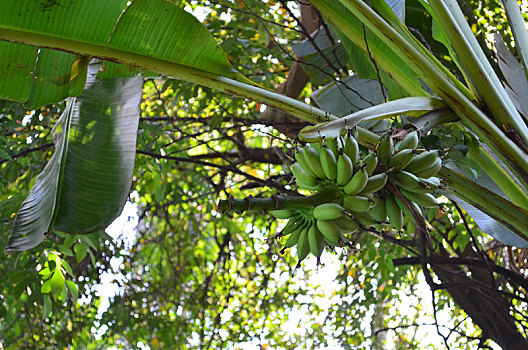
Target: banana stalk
(325, 195)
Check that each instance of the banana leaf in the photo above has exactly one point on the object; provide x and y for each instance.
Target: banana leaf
(515, 76)
(85, 184)
(41, 76)
(485, 202)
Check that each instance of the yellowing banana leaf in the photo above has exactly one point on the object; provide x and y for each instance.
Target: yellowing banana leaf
(414, 106)
(85, 184)
(147, 28)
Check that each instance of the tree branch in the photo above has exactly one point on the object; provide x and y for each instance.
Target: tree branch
(512, 276)
(223, 167)
(28, 151)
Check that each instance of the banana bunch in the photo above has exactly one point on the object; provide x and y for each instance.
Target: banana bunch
(413, 174)
(361, 176)
(326, 163)
(339, 162)
(313, 230)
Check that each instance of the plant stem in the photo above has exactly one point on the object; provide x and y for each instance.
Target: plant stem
(506, 182)
(518, 28)
(325, 195)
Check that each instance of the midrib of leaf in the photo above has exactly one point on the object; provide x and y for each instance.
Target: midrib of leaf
(64, 153)
(239, 87)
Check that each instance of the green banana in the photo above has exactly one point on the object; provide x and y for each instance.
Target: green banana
(431, 171)
(345, 169)
(410, 141)
(328, 163)
(422, 161)
(317, 146)
(379, 211)
(303, 246)
(394, 213)
(313, 188)
(356, 204)
(347, 225)
(304, 180)
(302, 175)
(333, 144)
(370, 162)
(316, 241)
(385, 148)
(284, 213)
(432, 182)
(328, 211)
(401, 159)
(405, 179)
(374, 183)
(406, 211)
(299, 157)
(421, 188)
(293, 239)
(311, 155)
(426, 200)
(352, 132)
(416, 207)
(365, 219)
(293, 224)
(352, 149)
(357, 183)
(331, 231)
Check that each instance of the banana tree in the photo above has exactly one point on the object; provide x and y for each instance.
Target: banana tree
(46, 47)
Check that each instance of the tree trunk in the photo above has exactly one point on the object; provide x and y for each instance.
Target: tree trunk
(482, 301)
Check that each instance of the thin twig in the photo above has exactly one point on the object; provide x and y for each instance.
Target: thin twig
(223, 167)
(436, 321)
(475, 243)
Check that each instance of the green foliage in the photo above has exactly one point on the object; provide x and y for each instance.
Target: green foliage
(189, 276)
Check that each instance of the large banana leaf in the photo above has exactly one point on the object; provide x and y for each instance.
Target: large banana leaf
(85, 184)
(361, 44)
(152, 35)
(149, 28)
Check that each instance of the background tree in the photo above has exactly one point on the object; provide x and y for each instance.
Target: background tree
(194, 276)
